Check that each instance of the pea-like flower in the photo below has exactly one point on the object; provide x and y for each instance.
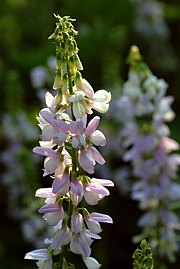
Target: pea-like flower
(85, 100)
(43, 257)
(95, 190)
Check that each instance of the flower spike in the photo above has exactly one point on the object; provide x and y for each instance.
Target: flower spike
(68, 143)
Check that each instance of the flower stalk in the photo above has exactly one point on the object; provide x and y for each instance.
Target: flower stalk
(145, 109)
(68, 142)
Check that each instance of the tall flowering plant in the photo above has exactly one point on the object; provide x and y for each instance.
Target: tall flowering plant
(145, 109)
(68, 142)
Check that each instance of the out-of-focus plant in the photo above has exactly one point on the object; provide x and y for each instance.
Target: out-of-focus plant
(144, 110)
(20, 175)
(149, 24)
(142, 256)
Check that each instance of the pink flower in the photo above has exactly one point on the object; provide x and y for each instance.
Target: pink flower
(96, 136)
(62, 237)
(51, 162)
(56, 129)
(46, 193)
(80, 242)
(61, 184)
(95, 190)
(53, 213)
(76, 191)
(88, 158)
(76, 222)
(93, 219)
(77, 133)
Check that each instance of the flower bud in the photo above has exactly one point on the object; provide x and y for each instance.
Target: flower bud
(64, 65)
(69, 47)
(78, 62)
(72, 64)
(58, 60)
(64, 84)
(58, 80)
(78, 80)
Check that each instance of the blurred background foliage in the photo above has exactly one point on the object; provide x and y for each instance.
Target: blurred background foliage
(107, 29)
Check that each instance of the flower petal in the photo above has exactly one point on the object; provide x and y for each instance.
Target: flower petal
(38, 254)
(91, 263)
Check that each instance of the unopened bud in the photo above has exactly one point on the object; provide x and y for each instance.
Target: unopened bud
(75, 46)
(69, 47)
(64, 66)
(149, 262)
(78, 81)
(72, 64)
(58, 60)
(64, 84)
(78, 62)
(58, 80)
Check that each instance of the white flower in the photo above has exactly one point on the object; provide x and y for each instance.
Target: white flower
(91, 263)
(85, 99)
(100, 101)
(43, 257)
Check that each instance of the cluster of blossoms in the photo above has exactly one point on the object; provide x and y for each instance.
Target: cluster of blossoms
(145, 138)
(68, 144)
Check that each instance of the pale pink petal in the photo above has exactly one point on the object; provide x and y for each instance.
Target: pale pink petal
(79, 245)
(76, 222)
(62, 237)
(50, 165)
(48, 132)
(87, 88)
(96, 155)
(103, 182)
(98, 138)
(45, 193)
(46, 152)
(86, 161)
(169, 144)
(93, 124)
(100, 217)
(53, 218)
(61, 184)
(91, 198)
(97, 188)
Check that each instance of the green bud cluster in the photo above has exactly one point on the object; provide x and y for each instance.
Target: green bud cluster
(143, 257)
(68, 63)
(137, 64)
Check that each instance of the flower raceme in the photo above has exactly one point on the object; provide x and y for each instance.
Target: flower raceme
(145, 110)
(68, 143)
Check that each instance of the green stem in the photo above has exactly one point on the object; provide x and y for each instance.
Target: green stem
(74, 168)
(70, 87)
(74, 151)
